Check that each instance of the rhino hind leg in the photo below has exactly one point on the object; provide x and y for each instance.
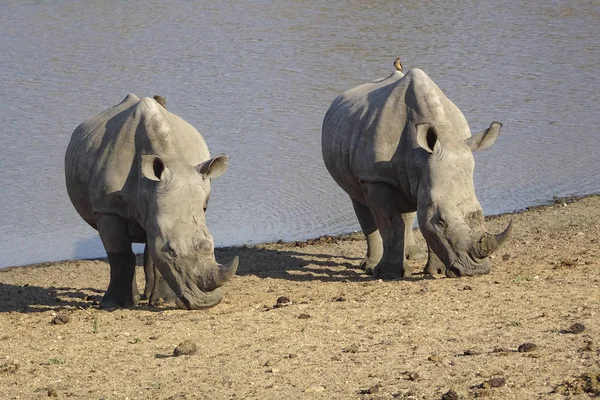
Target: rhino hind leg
(383, 205)
(122, 290)
(374, 243)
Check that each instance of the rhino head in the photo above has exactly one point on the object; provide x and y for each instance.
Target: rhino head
(449, 214)
(175, 196)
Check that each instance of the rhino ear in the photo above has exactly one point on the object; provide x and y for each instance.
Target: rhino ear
(153, 167)
(485, 139)
(427, 137)
(214, 167)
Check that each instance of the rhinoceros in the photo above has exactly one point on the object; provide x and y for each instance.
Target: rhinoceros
(400, 148)
(138, 173)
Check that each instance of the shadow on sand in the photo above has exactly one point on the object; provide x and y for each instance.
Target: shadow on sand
(298, 261)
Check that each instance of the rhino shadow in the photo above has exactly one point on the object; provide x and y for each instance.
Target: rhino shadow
(33, 299)
(294, 264)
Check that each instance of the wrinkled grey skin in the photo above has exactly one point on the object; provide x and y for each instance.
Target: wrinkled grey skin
(397, 146)
(140, 174)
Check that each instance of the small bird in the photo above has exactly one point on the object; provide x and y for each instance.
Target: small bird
(397, 64)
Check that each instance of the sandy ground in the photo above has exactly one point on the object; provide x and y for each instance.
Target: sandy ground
(528, 330)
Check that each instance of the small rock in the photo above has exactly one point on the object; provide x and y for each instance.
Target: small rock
(291, 355)
(352, 349)
(185, 348)
(304, 316)
(494, 382)
(273, 370)
(315, 389)
(270, 363)
(435, 358)
(576, 328)
(60, 319)
(450, 395)
(52, 392)
(467, 287)
(339, 298)
(283, 301)
(527, 347)
(413, 376)
(470, 352)
(369, 390)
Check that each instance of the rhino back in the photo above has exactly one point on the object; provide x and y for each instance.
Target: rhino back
(101, 163)
(368, 132)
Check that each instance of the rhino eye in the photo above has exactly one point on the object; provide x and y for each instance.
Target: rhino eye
(441, 223)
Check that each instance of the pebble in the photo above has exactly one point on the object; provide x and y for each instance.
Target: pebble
(60, 319)
(527, 347)
(187, 347)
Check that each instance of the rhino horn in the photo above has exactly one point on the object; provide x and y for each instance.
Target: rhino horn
(216, 275)
(226, 272)
(489, 243)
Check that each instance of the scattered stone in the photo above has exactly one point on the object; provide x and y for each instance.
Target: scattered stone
(185, 348)
(283, 301)
(270, 363)
(52, 392)
(470, 352)
(527, 347)
(339, 298)
(370, 390)
(60, 319)
(435, 358)
(8, 367)
(494, 383)
(291, 355)
(413, 376)
(575, 328)
(304, 316)
(315, 389)
(273, 370)
(352, 349)
(587, 383)
(450, 395)
(467, 287)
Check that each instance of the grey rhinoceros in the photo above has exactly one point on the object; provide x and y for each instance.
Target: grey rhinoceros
(399, 145)
(140, 174)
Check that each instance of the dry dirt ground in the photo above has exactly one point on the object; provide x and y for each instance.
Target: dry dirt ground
(528, 330)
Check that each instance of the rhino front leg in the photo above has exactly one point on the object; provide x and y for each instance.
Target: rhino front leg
(383, 204)
(434, 265)
(148, 273)
(122, 290)
(411, 250)
(157, 290)
(374, 242)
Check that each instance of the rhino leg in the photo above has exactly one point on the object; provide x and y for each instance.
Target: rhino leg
(434, 265)
(383, 203)
(411, 250)
(374, 243)
(157, 290)
(148, 273)
(122, 290)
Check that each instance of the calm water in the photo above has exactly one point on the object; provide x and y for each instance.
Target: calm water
(256, 79)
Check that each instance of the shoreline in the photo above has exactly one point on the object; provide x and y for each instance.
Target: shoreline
(326, 238)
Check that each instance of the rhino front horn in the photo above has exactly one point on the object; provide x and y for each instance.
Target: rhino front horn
(226, 272)
(489, 243)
